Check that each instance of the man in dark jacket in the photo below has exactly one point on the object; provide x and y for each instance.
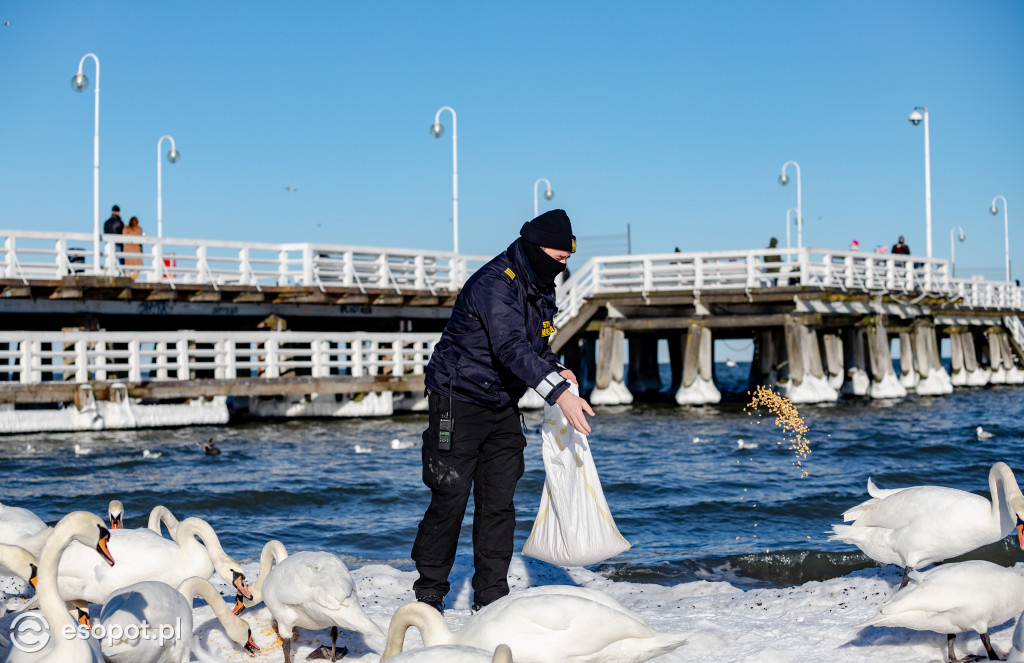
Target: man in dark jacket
(114, 226)
(899, 248)
(494, 347)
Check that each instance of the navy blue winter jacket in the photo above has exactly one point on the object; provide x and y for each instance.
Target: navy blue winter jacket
(496, 342)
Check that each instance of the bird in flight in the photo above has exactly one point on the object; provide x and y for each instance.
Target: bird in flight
(290, 188)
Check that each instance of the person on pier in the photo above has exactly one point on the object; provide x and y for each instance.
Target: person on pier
(494, 347)
(899, 248)
(115, 226)
(135, 250)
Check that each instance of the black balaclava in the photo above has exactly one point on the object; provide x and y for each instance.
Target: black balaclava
(544, 267)
(553, 230)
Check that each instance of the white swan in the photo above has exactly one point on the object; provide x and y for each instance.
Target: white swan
(87, 529)
(917, 526)
(19, 562)
(115, 513)
(1016, 654)
(551, 623)
(966, 596)
(313, 590)
(454, 654)
(144, 555)
(21, 527)
(164, 610)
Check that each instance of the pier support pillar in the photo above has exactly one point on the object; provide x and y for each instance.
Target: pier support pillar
(933, 379)
(884, 383)
(789, 359)
(698, 384)
(643, 378)
(999, 362)
(832, 352)
(857, 382)
(807, 383)
(908, 367)
(964, 360)
(1013, 363)
(609, 388)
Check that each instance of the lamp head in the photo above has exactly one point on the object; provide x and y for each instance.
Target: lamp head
(992, 210)
(915, 117)
(436, 130)
(783, 179)
(962, 236)
(173, 155)
(549, 194)
(79, 82)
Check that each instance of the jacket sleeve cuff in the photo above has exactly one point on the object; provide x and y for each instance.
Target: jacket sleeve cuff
(551, 387)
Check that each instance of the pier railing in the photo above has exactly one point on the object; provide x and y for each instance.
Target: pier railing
(909, 276)
(34, 357)
(31, 255)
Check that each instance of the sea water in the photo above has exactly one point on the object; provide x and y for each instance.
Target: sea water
(709, 492)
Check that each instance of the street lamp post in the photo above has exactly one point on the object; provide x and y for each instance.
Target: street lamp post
(79, 83)
(437, 130)
(1006, 231)
(172, 156)
(952, 246)
(784, 180)
(548, 194)
(915, 119)
(789, 221)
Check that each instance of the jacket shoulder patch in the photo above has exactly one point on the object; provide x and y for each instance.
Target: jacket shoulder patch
(511, 275)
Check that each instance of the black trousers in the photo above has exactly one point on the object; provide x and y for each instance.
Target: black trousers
(486, 457)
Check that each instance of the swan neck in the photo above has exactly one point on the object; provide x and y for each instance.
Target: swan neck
(162, 515)
(196, 586)
(273, 553)
(433, 628)
(50, 602)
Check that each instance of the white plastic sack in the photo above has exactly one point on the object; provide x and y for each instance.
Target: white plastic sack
(573, 525)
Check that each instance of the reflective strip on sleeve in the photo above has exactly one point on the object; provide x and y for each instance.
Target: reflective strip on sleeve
(550, 381)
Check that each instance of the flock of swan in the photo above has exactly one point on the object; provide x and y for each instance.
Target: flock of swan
(141, 578)
(922, 525)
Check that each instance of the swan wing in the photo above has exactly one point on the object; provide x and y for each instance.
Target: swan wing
(155, 604)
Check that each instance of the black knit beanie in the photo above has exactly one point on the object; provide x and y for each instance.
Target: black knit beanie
(551, 229)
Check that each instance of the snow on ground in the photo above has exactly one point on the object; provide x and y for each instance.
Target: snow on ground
(817, 621)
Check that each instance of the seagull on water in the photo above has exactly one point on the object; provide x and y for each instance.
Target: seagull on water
(398, 444)
(146, 453)
(82, 451)
(363, 450)
(983, 434)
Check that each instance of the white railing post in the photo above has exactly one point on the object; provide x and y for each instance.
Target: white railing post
(282, 267)
(61, 263)
(357, 355)
(804, 264)
(158, 259)
(182, 368)
(25, 374)
(318, 355)
(203, 268)
(750, 259)
(245, 276)
(134, 361)
(230, 370)
(81, 360)
(698, 274)
(307, 265)
(9, 249)
(271, 358)
(421, 273)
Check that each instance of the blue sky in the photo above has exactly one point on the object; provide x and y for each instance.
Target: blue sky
(672, 117)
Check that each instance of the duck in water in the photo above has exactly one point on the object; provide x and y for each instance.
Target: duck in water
(209, 447)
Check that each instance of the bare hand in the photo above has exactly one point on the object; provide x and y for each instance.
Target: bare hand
(570, 376)
(573, 407)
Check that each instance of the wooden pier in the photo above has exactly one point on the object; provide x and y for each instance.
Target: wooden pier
(326, 330)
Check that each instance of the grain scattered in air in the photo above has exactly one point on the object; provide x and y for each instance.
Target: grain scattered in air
(787, 418)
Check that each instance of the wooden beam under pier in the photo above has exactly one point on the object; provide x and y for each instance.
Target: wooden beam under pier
(178, 389)
(711, 322)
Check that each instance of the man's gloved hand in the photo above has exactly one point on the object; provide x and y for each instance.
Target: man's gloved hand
(573, 406)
